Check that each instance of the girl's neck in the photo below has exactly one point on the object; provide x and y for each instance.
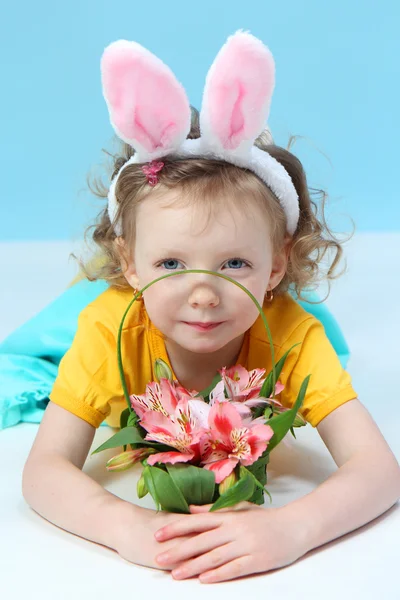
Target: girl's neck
(196, 371)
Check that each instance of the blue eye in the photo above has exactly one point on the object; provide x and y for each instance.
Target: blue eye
(171, 264)
(236, 263)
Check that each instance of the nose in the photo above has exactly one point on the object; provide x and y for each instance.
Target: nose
(203, 296)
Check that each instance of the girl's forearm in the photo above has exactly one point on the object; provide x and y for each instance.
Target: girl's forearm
(67, 497)
(359, 491)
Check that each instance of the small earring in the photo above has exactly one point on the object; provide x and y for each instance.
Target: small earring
(267, 297)
(135, 292)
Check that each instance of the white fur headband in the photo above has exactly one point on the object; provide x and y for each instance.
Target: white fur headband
(150, 111)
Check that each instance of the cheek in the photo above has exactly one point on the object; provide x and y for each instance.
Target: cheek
(156, 310)
(243, 309)
(159, 297)
(255, 285)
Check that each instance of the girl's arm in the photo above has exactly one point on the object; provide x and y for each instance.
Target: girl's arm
(55, 487)
(366, 484)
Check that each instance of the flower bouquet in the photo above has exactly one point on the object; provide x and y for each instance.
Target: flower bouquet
(208, 447)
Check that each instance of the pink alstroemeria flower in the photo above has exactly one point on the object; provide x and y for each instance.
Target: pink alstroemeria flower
(160, 397)
(242, 384)
(230, 440)
(164, 412)
(179, 430)
(243, 388)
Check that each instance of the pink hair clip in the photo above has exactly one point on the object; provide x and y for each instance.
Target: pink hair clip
(151, 171)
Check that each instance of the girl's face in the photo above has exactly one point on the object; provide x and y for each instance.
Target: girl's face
(199, 312)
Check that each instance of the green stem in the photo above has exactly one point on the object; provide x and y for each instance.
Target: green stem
(136, 296)
(119, 352)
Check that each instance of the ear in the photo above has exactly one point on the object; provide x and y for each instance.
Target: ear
(279, 263)
(131, 276)
(148, 107)
(127, 263)
(237, 94)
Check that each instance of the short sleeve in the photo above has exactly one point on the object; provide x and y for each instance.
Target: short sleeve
(330, 384)
(87, 381)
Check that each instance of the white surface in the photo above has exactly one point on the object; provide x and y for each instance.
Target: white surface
(38, 560)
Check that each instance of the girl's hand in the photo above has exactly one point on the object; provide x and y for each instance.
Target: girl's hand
(232, 542)
(134, 540)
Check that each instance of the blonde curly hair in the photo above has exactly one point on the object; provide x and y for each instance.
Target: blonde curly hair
(202, 180)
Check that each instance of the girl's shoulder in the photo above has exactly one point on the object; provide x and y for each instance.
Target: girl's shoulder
(109, 308)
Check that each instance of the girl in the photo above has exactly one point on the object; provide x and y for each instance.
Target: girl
(227, 200)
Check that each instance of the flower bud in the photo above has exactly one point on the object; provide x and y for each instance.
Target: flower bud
(268, 412)
(162, 370)
(299, 421)
(227, 483)
(141, 487)
(125, 460)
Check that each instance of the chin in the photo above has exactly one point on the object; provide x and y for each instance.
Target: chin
(201, 346)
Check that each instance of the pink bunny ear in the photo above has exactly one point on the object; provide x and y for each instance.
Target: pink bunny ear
(237, 94)
(148, 107)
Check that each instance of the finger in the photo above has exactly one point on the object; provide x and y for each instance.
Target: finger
(245, 505)
(206, 562)
(196, 508)
(194, 547)
(192, 524)
(239, 567)
(241, 506)
(170, 545)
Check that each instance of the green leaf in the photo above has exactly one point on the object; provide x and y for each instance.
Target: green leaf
(196, 484)
(283, 422)
(123, 420)
(268, 411)
(132, 420)
(258, 483)
(259, 470)
(241, 491)
(261, 487)
(128, 435)
(164, 491)
(266, 390)
(206, 392)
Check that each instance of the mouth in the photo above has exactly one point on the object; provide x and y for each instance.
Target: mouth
(199, 326)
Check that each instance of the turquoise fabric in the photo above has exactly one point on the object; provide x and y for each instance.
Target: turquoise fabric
(30, 356)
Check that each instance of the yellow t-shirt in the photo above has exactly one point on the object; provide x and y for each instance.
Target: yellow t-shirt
(88, 382)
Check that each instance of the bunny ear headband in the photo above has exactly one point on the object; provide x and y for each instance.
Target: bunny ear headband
(150, 111)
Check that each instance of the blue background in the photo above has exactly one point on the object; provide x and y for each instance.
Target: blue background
(337, 85)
